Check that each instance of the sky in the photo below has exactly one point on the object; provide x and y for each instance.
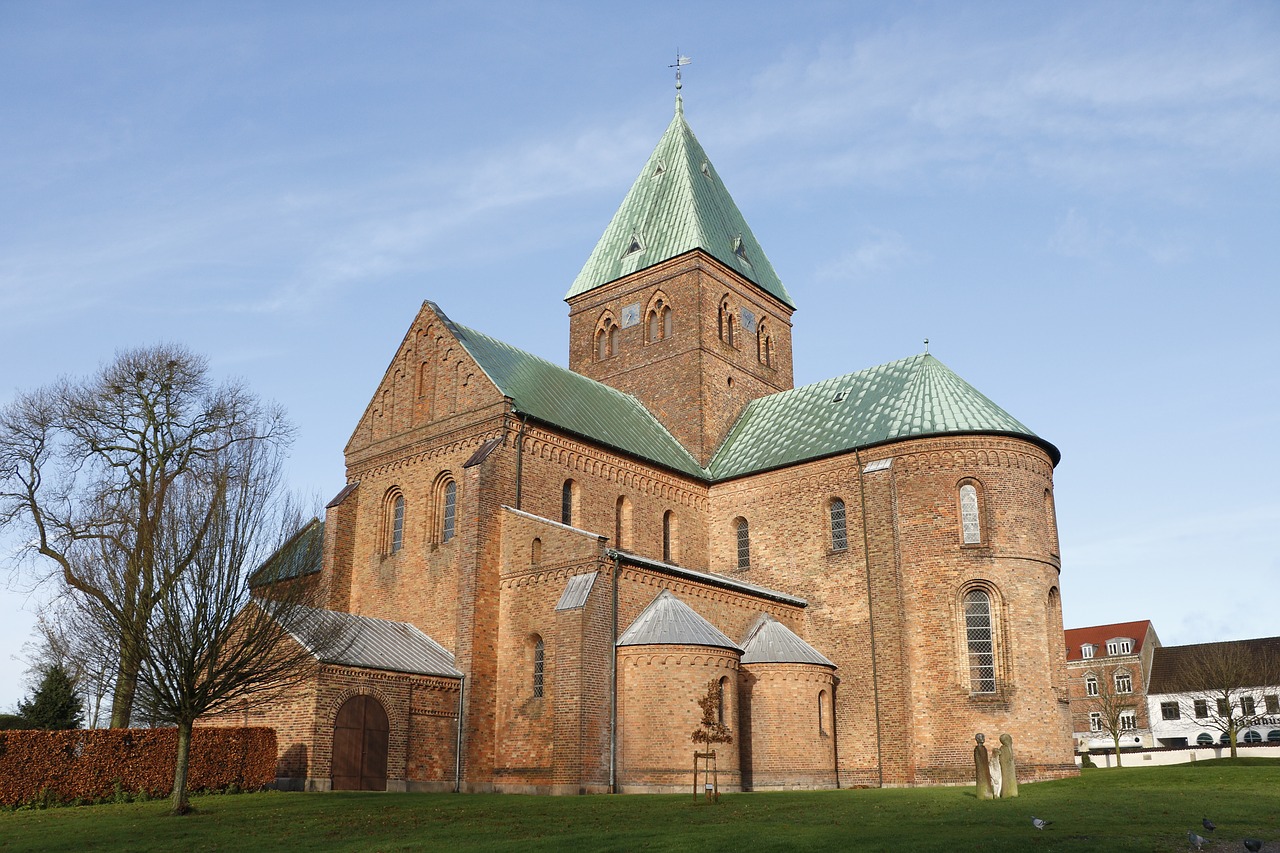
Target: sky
(1076, 203)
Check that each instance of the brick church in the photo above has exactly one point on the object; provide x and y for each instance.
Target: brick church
(543, 570)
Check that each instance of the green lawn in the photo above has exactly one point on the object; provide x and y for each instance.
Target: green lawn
(1140, 809)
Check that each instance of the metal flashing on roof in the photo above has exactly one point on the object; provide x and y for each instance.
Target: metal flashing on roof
(370, 643)
(769, 641)
(721, 581)
(482, 452)
(909, 398)
(669, 621)
(342, 495)
(576, 591)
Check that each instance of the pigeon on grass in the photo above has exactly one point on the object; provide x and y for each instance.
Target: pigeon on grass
(1197, 841)
(1038, 823)
(1253, 845)
(1208, 824)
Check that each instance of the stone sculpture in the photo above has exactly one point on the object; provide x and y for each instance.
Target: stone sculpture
(1008, 770)
(982, 767)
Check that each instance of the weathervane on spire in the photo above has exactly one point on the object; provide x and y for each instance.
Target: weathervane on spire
(926, 346)
(680, 61)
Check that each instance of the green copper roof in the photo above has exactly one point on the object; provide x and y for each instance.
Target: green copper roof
(677, 204)
(562, 398)
(916, 396)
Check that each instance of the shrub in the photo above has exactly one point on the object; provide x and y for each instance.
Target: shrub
(42, 768)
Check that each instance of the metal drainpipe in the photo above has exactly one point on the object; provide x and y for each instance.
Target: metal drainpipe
(871, 613)
(524, 420)
(457, 757)
(613, 682)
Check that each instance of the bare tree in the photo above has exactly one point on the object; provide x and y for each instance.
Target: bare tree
(1114, 704)
(91, 469)
(1218, 682)
(211, 642)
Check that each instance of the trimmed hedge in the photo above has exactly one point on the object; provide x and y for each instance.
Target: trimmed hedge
(95, 764)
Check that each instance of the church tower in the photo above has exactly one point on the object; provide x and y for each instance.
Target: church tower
(677, 304)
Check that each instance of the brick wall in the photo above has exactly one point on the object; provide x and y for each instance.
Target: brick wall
(788, 738)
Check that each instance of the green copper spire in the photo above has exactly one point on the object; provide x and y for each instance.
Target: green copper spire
(677, 204)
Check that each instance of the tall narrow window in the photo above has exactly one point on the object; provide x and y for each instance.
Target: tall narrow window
(539, 666)
(981, 641)
(668, 521)
(720, 691)
(744, 543)
(1091, 685)
(655, 326)
(666, 321)
(622, 523)
(839, 534)
(613, 339)
(1124, 682)
(969, 517)
(566, 503)
(822, 712)
(450, 510)
(397, 524)
(535, 552)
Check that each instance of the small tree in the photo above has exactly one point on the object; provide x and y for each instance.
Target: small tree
(1112, 704)
(1216, 679)
(55, 703)
(712, 728)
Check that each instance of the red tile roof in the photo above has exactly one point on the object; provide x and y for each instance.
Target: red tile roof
(1099, 634)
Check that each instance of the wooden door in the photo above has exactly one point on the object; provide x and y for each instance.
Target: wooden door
(360, 737)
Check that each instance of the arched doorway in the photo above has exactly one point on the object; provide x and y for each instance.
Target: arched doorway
(360, 746)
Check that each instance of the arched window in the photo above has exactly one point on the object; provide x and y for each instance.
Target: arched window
(568, 493)
(744, 543)
(1053, 625)
(539, 666)
(450, 510)
(668, 536)
(1273, 736)
(1252, 736)
(393, 521)
(970, 515)
(822, 712)
(606, 337)
(980, 638)
(1204, 739)
(726, 322)
(1091, 685)
(658, 320)
(622, 523)
(764, 345)
(535, 552)
(839, 533)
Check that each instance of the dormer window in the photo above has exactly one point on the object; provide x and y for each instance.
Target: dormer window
(740, 249)
(634, 246)
(1086, 651)
(1120, 646)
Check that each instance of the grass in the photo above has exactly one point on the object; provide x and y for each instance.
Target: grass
(1140, 809)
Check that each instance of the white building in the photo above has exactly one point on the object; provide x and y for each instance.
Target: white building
(1188, 706)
